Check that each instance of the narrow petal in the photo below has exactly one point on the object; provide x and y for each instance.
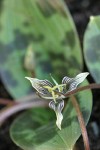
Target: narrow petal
(38, 85)
(72, 83)
(54, 80)
(58, 107)
(77, 80)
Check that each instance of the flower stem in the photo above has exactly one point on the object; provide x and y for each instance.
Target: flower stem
(90, 86)
(81, 122)
(7, 102)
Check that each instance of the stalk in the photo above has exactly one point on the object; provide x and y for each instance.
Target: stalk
(81, 122)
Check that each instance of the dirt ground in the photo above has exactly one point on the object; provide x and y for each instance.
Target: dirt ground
(81, 10)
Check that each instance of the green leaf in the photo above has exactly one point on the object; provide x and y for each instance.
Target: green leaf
(48, 27)
(92, 47)
(28, 132)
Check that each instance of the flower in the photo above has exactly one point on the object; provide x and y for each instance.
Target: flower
(47, 90)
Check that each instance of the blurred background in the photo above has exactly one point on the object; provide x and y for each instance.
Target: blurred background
(9, 87)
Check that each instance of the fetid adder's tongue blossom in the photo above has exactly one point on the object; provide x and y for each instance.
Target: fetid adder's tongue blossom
(47, 90)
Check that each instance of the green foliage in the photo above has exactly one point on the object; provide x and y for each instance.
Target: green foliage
(92, 47)
(45, 29)
(29, 132)
(48, 27)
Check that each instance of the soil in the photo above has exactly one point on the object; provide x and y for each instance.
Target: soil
(81, 10)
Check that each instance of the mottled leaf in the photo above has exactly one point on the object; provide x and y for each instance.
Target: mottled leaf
(92, 47)
(28, 132)
(47, 26)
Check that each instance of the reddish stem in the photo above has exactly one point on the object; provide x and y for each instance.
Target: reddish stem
(90, 86)
(7, 102)
(81, 122)
(8, 111)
